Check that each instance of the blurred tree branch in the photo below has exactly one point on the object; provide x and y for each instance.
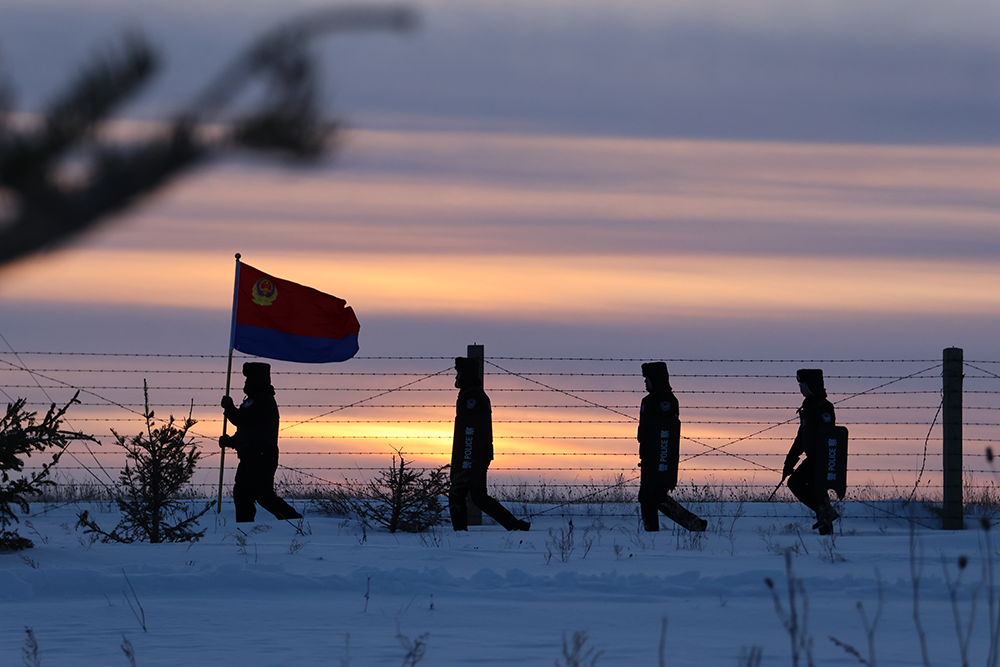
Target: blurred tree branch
(60, 176)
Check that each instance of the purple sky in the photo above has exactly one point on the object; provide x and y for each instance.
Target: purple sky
(682, 180)
(678, 179)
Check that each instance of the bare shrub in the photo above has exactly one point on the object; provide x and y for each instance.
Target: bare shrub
(796, 617)
(415, 649)
(335, 500)
(870, 627)
(574, 655)
(561, 543)
(30, 649)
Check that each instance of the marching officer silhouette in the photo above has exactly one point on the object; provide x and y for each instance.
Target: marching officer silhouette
(256, 445)
(825, 447)
(472, 451)
(659, 452)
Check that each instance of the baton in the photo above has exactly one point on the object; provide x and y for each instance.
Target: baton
(783, 478)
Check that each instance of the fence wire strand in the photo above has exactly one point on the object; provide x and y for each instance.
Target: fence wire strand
(529, 431)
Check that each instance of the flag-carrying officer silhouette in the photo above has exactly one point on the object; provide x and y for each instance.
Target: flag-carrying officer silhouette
(472, 451)
(825, 447)
(256, 445)
(659, 452)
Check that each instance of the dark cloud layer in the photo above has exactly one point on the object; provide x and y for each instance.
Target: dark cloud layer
(883, 72)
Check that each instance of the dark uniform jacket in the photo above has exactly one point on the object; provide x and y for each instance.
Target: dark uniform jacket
(815, 412)
(256, 421)
(658, 412)
(472, 448)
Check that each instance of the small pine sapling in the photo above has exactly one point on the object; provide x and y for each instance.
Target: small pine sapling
(404, 498)
(21, 436)
(159, 463)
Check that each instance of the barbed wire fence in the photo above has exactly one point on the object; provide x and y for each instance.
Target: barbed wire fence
(564, 428)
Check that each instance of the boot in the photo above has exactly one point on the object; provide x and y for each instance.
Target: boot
(459, 515)
(682, 516)
(650, 516)
(825, 516)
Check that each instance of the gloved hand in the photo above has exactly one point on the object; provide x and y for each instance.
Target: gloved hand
(789, 468)
(227, 403)
(225, 441)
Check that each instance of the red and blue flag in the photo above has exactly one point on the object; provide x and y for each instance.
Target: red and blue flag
(279, 319)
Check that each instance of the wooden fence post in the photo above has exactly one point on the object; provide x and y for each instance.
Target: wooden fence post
(477, 353)
(951, 426)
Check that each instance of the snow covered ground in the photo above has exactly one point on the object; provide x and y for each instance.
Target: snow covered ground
(339, 595)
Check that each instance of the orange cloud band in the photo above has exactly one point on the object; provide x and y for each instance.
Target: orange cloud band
(527, 287)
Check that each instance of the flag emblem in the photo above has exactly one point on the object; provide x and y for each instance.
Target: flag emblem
(264, 292)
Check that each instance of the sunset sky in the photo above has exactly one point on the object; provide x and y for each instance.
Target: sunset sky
(681, 180)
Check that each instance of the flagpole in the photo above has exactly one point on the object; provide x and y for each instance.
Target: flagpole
(222, 450)
(229, 373)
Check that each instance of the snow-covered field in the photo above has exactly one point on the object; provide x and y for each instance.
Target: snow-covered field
(336, 594)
